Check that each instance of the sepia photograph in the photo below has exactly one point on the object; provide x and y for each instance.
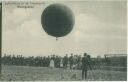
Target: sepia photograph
(63, 40)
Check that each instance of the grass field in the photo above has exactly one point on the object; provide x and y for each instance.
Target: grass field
(26, 73)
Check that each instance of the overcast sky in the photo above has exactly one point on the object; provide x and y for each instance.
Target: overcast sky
(100, 28)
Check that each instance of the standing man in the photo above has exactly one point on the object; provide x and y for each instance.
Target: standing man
(85, 65)
(71, 60)
(65, 61)
(79, 62)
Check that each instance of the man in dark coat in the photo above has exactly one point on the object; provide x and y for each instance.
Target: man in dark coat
(65, 61)
(71, 61)
(85, 65)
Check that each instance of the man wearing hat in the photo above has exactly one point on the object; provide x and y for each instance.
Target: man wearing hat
(85, 65)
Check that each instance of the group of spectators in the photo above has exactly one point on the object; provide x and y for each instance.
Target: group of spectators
(72, 61)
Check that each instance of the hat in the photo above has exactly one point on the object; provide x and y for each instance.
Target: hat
(85, 54)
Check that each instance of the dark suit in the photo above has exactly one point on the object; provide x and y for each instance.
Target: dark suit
(71, 61)
(85, 64)
(65, 61)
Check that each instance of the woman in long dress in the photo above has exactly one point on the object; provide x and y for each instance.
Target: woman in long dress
(52, 63)
(61, 63)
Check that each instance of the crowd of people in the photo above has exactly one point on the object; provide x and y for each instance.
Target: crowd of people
(68, 61)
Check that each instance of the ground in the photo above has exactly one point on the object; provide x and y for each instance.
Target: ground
(27, 73)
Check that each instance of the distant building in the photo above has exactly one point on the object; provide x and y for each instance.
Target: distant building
(117, 59)
(115, 55)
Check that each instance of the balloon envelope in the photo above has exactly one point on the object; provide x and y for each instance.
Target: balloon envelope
(57, 20)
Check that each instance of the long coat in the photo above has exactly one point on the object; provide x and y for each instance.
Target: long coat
(85, 63)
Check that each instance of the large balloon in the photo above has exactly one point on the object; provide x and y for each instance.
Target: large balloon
(57, 20)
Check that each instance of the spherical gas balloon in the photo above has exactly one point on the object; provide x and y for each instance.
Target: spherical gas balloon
(57, 20)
